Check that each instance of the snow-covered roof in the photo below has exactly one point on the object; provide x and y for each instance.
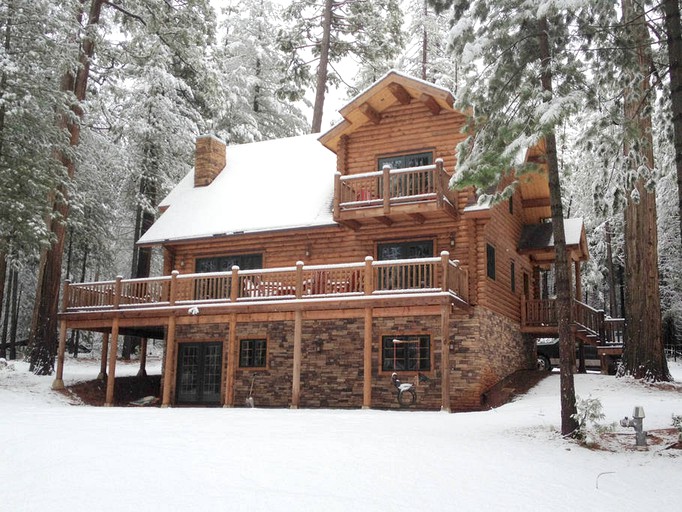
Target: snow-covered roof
(536, 237)
(265, 186)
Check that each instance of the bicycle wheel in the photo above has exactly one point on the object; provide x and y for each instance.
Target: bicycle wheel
(407, 397)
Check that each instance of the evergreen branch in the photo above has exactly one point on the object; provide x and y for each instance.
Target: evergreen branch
(125, 12)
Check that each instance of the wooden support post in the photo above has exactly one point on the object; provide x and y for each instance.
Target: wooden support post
(369, 275)
(524, 311)
(117, 291)
(296, 377)
(231, 376)
(169, 364)
(337, 196)
(234, 287)
(437, 174)
(387, 189)
(445, 264)
(58, 382)
(105, 352)
(445, 356)
(367, 361)
(142, 372)
(113, 352)
(299, 279)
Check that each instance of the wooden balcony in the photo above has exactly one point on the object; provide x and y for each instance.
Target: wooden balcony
(144, 305)
(386, 196)
(539, 317)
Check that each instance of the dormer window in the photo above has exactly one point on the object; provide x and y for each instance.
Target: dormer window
(405, 161)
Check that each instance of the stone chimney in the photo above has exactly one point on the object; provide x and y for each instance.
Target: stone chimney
(209, 159)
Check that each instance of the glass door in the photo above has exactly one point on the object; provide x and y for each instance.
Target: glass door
(199, 373)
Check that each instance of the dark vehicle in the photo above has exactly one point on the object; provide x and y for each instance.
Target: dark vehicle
(548, 356)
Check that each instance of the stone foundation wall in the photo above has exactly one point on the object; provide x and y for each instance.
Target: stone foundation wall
(485, 348)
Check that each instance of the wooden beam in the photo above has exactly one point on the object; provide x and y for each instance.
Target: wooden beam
(386, 221)
(367, 361)
(430, 103)
(350, 224)
(231, 353)
(168, 367)
(535, 202)
(113, 352)
(371, 114)
(445, 357)
(296, 377)
(400, 93)
(418, 218)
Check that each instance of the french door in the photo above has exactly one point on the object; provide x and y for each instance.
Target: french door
(199, 373)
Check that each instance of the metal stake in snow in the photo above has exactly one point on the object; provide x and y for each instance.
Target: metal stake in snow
(637, 422)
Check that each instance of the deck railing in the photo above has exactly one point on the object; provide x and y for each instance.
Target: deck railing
(347, 279)
(541, 313)
(392, 186)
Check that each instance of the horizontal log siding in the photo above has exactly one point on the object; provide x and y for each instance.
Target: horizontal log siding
(502, 231)
(408, 128)
(325, 245)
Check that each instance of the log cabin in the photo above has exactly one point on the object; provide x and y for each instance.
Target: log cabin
(305, 271)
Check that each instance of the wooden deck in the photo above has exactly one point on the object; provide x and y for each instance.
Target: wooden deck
(388, 195)
(143, 306)
(538, 317)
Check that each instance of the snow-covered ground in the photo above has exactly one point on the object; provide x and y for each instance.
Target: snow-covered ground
(56, 457)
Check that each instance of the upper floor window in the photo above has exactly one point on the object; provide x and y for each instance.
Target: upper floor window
(512, 272)
(490, 260)
(405, 161)
(405, 277)
(405, 250)
(225, 263)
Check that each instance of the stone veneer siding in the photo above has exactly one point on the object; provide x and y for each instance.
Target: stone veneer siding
(486, 348)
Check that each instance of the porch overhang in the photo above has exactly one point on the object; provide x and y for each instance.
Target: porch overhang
(537, 241)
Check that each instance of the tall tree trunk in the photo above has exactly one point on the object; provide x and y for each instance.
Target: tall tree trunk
(3, 275)
(142, 256)
(569, 423)
(644, 356)
(609, 268)
(425, 41)
(84, 267)
(16, 300)
(671, 9)
(322, 69)
(7, 311)
(43, 339)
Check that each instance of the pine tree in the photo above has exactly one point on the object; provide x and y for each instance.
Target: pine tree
(644, 356)
(333, 30)
(521, 83)
(257, 95)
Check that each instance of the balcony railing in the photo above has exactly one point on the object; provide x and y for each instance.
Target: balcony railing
(541, 315)
(389, 188)
(300, 282)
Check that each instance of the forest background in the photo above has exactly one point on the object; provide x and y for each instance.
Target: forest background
(101, 102)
